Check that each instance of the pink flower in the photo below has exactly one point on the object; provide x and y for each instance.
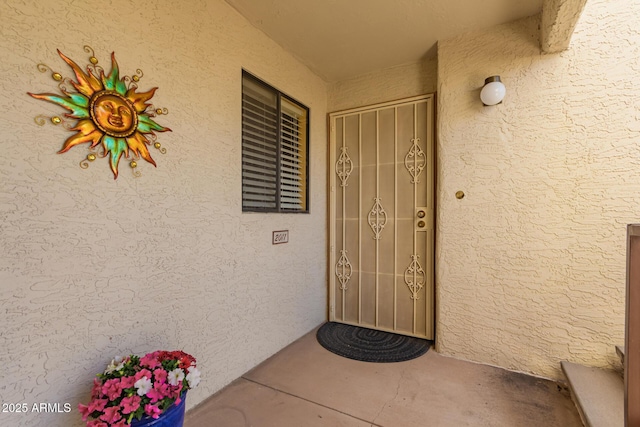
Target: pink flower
(130, 404)
(152, 411)
(148, 385)
(159, 392)
(176, 391)
(127, 382)
(84, 410)
(97, 405)
(97, 386)
(112, 388)
(142, 373)
(150, 360)
(111, 414)
(160, 375)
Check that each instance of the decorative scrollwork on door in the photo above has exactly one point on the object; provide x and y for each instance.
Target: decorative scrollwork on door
(343, 270)
(414, 277)
(377, 218)
(344, 166)
(415, 160)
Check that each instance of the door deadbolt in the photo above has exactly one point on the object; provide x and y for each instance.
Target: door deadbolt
(421, 214)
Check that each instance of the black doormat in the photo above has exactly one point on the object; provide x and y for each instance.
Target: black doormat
(369, 345)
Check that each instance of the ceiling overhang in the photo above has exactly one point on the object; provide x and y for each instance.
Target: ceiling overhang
(342, 39)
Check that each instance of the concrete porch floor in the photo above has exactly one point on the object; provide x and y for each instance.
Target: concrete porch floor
(305, 385)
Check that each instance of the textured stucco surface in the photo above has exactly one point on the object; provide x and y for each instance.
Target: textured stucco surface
(92, 267)
(557, 23)
(531, 263)
(390, 84)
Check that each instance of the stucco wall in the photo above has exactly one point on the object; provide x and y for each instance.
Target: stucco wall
(531, 263)
(92, 267)
(393, 83)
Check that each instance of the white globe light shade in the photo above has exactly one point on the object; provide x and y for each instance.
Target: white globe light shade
(493, 91)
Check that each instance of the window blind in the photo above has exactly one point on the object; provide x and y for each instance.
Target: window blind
(259, 146)
(274, 150)
(293, 157)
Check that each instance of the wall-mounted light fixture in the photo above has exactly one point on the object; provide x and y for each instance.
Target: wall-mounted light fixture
(493, 91)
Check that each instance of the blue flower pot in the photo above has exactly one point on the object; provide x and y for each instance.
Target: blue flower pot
(172, 417)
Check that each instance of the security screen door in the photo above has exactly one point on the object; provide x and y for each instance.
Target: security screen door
(382, 184)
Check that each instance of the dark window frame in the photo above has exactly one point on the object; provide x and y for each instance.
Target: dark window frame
(278, 196)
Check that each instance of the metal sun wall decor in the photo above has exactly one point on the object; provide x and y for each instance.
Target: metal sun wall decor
(105, 110)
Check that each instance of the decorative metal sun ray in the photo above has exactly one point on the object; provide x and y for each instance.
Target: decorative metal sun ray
(105, 111)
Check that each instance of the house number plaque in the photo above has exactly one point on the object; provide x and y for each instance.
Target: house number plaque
(281, 236)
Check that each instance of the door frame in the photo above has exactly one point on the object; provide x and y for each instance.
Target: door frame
(332, 194)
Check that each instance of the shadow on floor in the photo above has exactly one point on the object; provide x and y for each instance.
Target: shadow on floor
(305, 385)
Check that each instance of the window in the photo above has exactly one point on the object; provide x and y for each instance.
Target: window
(275, 144)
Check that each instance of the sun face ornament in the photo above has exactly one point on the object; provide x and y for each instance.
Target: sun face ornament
(108, 112)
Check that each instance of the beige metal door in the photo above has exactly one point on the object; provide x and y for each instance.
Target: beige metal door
(382, 184)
